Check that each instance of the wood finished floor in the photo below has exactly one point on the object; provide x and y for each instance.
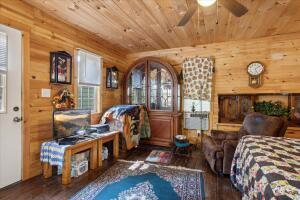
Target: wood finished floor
(216, 187)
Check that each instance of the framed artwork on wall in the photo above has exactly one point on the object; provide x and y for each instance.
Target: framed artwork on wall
(60, 67)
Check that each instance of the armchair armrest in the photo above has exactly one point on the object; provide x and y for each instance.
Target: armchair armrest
(229, 147)
(209, 145)
(213, 152)
(224, 135)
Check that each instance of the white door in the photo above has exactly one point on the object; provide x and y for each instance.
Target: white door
(10, 106)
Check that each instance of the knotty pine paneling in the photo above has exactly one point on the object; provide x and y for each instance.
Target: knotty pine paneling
(48, 34)
(152, 24)
(280, 54)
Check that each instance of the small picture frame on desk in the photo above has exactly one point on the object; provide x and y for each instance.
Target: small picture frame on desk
(60, 67)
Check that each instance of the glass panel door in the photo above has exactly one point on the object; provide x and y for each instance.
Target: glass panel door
(161, 87)
(136, 89)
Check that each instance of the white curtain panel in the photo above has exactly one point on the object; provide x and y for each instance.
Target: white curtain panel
(197, 78)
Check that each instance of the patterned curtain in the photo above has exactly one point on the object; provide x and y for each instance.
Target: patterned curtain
(197, 78)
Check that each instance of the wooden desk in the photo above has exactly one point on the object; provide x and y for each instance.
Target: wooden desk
(112, 136)
(95, 147)
(73, 149)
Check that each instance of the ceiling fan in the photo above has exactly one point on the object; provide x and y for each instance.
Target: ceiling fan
(233, 6)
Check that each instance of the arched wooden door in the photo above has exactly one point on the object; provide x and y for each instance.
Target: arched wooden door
(154, 83)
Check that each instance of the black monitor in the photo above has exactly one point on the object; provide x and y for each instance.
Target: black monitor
(68, 122)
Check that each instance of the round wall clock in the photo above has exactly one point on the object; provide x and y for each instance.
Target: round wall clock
(255, 70)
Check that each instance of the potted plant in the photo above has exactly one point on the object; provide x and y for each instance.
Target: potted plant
(272, 109)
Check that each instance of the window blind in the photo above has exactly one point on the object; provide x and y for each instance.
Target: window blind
(89, 68)
(3, 52)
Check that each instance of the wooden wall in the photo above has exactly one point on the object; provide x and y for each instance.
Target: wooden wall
(280, 54)
(43, 34)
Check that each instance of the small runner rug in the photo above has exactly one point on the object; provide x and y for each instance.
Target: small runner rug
(153, 183)
(157, 156)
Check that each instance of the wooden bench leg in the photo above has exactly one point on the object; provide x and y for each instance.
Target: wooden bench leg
(116, 146)
(190, 150)
(47, 170)
(100, 145)
(93, 156)
(66, 170)
(175, 150)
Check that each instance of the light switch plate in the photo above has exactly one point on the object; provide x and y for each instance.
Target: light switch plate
(46, 92)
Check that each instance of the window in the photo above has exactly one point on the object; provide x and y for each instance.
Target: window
(89, 81)
(86, 97)
(199, 105)
(3, 71)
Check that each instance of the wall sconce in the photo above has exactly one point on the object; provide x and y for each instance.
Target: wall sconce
(112, 77)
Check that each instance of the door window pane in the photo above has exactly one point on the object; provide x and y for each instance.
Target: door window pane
(3, 71)
(161, 87)
(3, 52)
(2, 92)
(137, 85)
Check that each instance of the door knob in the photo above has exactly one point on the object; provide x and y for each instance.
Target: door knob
(17, 119)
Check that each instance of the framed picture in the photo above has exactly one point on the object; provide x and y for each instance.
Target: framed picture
(60, 67)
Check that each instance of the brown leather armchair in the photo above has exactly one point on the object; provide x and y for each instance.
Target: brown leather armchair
(220, 146)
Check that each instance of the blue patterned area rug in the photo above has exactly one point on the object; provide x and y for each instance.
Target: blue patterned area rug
(155, 182)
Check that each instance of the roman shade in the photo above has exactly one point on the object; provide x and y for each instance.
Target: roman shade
(89, 68)
(197, 78)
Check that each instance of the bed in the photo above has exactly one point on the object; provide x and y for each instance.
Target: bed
(131, 120)
(267, 167)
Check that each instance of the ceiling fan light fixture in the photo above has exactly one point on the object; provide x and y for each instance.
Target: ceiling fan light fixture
(206, 3)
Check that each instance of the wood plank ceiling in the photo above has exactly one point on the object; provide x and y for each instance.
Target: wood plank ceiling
(144, 25)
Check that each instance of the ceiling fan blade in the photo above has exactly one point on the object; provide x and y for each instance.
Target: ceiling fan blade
(189, 13)
(234, 7)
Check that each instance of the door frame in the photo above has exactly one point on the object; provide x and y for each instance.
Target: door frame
(25, 105)
(25, 94)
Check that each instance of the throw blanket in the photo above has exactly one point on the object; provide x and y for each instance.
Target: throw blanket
(267, 168)
(53, 153)
(131, 120)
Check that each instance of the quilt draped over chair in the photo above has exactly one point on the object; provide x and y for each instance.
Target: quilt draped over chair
(131, 120)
